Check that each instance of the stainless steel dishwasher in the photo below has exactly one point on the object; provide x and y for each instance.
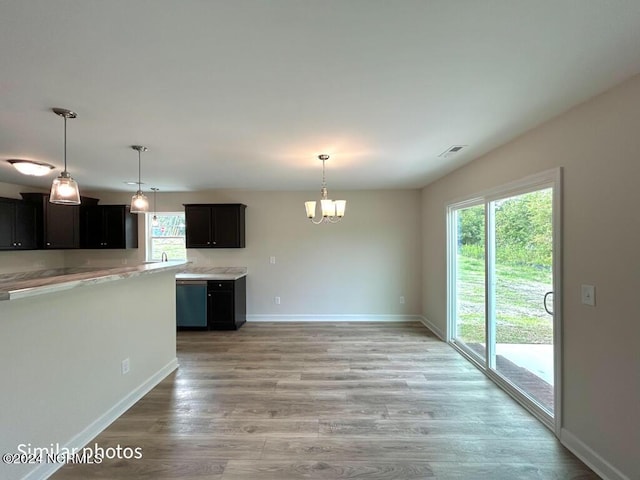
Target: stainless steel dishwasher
(191, 304)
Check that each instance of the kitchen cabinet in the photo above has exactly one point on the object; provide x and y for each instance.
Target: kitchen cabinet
(108, 226)
(58, 225)
(215, 225)
(226, 304)
(18, 225)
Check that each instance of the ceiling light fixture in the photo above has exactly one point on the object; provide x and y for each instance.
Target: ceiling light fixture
(29, 167)
(154, 220)
(139, 203)
(332, 211)
(64, 189)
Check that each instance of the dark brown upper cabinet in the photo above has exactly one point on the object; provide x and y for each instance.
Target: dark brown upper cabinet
(108, 226)
(18, 225)
(215, 225)
(58, 225)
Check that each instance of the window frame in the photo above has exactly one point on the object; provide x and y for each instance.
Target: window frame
(150, 237)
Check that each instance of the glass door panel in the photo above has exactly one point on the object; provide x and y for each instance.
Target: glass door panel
(521, 281)
(469, 274)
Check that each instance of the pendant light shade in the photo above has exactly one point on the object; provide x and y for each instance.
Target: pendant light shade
(64, 189)
(139, 202)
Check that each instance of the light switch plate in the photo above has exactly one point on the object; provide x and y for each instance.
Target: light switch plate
(589, 295)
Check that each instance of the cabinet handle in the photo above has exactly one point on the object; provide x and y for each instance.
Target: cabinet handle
(19, 244)
(219, 284)
(208, 243)
(48, 244)
(214, 243)
(208, 294)
(14, 244)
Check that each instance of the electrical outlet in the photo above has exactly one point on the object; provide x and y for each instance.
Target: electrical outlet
(589, 295)
(276, 300)
(402, 300)
(272, 260)
(126, 366)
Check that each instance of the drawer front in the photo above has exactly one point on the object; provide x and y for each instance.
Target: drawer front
(220, 285)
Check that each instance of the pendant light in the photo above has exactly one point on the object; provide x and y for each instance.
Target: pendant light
(64, 189)
(154, 220)
(139, 202)
(332, 211)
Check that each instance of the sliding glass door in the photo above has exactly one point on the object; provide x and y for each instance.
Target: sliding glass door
(502, 278)
(469, 279)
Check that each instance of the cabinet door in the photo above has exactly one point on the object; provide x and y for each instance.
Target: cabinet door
(113, 226)
(61, 226)
(226, 229)
(26, 228)
(220, 310)
(7, 216)
(91, 227)
(198, 226)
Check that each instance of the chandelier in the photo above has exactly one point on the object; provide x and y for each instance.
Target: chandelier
(332, 210)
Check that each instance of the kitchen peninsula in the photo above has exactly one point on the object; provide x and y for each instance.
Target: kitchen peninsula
(78, 347)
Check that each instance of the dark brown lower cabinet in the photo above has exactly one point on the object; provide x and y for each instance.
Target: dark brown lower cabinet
(226, 304)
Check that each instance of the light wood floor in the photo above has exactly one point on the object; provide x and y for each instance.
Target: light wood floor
(328, 401)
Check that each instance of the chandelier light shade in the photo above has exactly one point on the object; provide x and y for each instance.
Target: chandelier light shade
(139, 202)
(154, 220)
(29, 167)
(64, 189)
(332, 210)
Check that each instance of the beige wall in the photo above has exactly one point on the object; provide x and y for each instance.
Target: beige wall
(360, 266)
(598, 146)
(60, 360)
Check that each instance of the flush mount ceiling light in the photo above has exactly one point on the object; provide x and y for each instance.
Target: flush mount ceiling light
(139, 203)
(332, 210)
(154, 220)
(64, 189)
(29, 167)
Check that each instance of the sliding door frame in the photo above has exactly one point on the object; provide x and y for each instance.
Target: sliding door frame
(549, 178)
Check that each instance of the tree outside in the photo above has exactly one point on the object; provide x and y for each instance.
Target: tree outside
(523, 236)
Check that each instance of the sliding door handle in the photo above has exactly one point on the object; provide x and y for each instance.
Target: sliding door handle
(546, 295)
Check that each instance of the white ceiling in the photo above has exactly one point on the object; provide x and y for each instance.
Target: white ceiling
(246, 94)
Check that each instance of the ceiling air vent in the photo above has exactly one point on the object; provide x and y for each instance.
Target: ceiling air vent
(452, 151)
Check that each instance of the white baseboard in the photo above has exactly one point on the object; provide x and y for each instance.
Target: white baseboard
(594, 461)
(92, 430)
(439, 333)
(333, 318)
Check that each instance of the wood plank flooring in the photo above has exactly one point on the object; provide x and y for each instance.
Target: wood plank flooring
(288, 401)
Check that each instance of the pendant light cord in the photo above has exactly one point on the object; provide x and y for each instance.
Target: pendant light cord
(65, 143)
(139, 171)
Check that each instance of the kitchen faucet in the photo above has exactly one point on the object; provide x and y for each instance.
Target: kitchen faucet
(164, 257)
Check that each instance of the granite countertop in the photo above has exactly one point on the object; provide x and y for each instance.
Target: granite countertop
(212, 273)
(14, 286)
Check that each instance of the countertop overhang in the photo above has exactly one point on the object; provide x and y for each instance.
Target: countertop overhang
(29, 284)
(212, 273)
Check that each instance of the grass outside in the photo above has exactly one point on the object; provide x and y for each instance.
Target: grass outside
(173, 247)
(520, 315)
